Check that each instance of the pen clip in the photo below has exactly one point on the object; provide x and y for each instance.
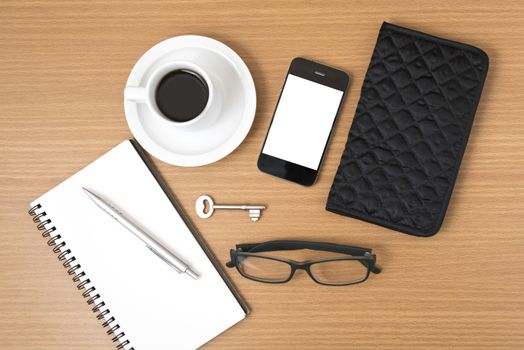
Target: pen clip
(164, 259)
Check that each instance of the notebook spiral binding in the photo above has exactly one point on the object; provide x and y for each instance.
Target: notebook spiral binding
(44, 224)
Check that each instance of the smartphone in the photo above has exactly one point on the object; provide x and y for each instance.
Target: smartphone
(303, 121)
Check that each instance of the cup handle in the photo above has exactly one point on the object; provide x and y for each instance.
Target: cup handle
(135, 94)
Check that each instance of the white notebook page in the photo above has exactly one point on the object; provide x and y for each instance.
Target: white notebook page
(156, 307)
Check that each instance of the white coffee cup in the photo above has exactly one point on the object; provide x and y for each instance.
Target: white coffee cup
(146, 94)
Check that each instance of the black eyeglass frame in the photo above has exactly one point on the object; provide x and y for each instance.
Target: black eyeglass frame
(362, 255)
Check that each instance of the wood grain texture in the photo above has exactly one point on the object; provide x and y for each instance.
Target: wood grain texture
(63, 66)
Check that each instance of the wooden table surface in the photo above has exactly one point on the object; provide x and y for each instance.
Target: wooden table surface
(63, 66)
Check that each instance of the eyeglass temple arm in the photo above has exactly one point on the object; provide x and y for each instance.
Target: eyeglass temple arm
(295, 245)
(231, 262)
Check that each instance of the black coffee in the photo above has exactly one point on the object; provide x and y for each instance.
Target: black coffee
(182, 95)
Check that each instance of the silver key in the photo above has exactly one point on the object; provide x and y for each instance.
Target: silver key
(200, 206)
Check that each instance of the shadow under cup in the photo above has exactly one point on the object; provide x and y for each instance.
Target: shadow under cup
(182, 95)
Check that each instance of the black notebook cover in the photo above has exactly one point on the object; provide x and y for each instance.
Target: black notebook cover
(410, 130)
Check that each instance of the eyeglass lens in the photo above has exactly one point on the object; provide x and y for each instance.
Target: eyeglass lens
(264, 269)
(339, 271)
(343, 271)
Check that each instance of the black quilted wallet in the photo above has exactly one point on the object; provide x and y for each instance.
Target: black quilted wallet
(409, 132)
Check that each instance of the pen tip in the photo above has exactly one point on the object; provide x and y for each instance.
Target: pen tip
(86, 190)
(88, 193)
(192, 274)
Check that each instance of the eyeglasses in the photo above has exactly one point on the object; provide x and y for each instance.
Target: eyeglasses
(351, 268)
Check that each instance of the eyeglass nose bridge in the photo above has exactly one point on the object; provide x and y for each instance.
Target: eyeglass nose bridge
(301, 266)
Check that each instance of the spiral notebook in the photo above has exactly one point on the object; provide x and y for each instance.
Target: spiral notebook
(142, 302)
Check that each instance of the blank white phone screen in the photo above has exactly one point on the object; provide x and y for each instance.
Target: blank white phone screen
(302, 122)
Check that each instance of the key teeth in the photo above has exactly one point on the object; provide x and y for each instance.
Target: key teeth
(254, 214)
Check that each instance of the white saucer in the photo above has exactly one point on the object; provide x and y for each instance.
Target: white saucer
(193, 148)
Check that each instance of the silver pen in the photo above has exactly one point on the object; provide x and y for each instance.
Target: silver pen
(164, 254)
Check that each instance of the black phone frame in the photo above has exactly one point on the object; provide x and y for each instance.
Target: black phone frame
(320, 74)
